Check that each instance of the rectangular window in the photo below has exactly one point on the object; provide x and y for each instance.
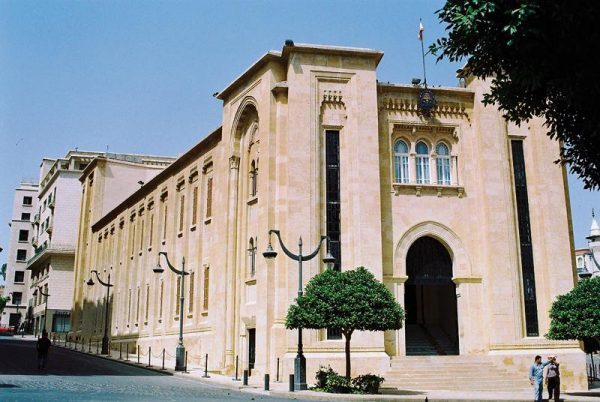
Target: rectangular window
(21, 255)
(165, 220)
(137, 307)
(23, 235)
(194, 205)
(177, 295)
(205, 290)
(151, 230)
(209, 185)
(45, 293)
(147, 303)
(17, 298)
(141, 235)
(19, 277)
(527, 268)
(332, 194)
(401, 168)
(443, 170)
(27, 200)
(160, 304)
(422, 169)
(191, 297)
(25, 216)
(181, 211)
(132, 238)
(129, 308)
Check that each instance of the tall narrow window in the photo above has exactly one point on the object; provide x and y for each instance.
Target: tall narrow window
(205, 290)
(209, 184)
(160, 304)
(253, 177)
(129, 308)
(151, 234)
(422, 163)
(178, 295)
(194, 205)
(401, 162)
(252, 257)
(146, 311)
(137, 307)
(332, 194)
(443, 164)
(141, 235)
(132, 238)
(191, 295)
(527, 268)
(165, 221)
(181, 211)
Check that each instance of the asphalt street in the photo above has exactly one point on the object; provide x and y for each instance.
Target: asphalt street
(72, 376)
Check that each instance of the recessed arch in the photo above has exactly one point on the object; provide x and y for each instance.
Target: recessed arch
(245, 122)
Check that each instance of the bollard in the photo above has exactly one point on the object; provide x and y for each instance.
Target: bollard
(277, 370)
(120, 351)
(90, 346)
(206, 367)
(267, 382)
(149, 356)
(291, 387)
(245, 381)
(127, 351)
(236, 368)
(163, 365)
(138, 350)
(185, 365)
(97, 347)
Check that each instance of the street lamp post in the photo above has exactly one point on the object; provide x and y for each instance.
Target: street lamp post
(107, 285)
(300, 360)
(180, 350)
(39, 289)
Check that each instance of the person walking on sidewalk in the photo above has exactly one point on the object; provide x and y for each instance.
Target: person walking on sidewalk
(553, 379)
(43, 345)
(536, 376)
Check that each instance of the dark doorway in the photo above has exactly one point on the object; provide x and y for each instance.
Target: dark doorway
(251, 349)
(430, 300)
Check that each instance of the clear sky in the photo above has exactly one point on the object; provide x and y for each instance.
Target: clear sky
(138, 76)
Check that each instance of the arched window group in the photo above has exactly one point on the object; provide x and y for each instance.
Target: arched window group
(422, 163)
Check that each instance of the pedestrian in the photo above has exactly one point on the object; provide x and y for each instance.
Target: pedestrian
(536, 376)
(43, 345)
(553, 379)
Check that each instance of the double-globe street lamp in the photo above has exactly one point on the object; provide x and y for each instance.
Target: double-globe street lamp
(35, 292)
(107, 285)
(180, 350)
(300, 360)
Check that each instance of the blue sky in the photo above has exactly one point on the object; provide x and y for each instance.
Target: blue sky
(137, 76)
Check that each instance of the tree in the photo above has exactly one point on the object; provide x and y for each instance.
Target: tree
(3, 300)
(538, 55)
(576, 315)
(346, 301)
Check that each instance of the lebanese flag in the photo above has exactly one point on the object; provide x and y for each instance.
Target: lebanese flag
(421, 29)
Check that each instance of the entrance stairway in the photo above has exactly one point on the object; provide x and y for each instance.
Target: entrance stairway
(473, 373)
(428, 342)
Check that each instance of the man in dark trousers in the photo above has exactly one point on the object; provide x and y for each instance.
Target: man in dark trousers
(553, 377)
(43, 345)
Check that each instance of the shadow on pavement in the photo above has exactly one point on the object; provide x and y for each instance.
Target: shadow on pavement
(395, 391)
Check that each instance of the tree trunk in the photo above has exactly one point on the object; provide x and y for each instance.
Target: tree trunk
(348, 335)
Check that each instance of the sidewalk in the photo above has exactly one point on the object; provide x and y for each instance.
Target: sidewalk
(280, 389)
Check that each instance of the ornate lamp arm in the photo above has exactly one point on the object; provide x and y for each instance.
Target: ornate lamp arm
(171, 267)
(285, 250)
(314, 253)
(108, 285)
(42, 292)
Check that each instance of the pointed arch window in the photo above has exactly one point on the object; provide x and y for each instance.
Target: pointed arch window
(422, 163)
(252, 257)
(253, 178)
(401, 162)
(443, 164)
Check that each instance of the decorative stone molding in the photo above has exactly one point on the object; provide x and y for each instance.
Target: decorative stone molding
(421, 189)
(416, 130)
(410, 106)
(332, 97)
(234, 162)
(467, 279)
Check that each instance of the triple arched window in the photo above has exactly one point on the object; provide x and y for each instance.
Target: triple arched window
(421, 165)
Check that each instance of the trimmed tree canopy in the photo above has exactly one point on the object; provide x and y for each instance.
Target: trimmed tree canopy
(539, 56)
(576, 315)
(347, 301)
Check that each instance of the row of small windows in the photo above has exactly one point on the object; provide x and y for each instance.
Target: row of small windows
(443, 163)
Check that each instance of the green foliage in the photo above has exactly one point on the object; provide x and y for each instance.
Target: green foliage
(3, 271)
(539, 56)
(338, 384)
(321, 376)
(349, 300)
(367, 383)
(576, 315)
(3, 300)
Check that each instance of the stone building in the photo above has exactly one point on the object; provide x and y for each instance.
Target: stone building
(443, 201)
(588, 259)
(18, 251)
(55, 228)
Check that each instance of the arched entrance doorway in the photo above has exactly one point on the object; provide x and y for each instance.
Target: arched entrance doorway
(430, 300)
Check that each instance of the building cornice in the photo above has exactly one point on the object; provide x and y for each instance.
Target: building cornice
(45, 254)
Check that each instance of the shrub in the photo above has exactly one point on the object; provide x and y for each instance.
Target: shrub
(338, 384)
(322, 375)
(367, 383)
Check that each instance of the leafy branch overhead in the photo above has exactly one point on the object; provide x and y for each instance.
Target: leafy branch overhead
(538, 55)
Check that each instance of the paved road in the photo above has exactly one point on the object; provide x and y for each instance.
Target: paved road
(71, 376)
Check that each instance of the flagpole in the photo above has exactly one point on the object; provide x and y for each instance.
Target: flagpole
(422, 51)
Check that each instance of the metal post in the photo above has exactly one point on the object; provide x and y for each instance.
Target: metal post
(163, 364)
(138, 353)
(291, 385)
(105, 337)
(180, 350)
(206, 367)
(127, 351)
(185, 367)
(89, 346)
(245, 380)
(149, 356)
(120, 351)
(277, 370)
(300, 361)
(97, 347)
(267, 382)
(236, 368)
